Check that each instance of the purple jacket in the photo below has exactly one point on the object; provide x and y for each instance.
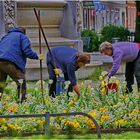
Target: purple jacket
(123, 51)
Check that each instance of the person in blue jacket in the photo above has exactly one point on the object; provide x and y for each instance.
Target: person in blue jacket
(15, 47)
(68, 60)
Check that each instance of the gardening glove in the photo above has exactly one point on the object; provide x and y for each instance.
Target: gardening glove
(41, 56)
(57, 71)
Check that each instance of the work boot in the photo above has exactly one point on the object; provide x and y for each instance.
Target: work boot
(128, 89)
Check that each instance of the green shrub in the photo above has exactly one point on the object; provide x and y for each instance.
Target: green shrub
(94, 40)
(110, 31)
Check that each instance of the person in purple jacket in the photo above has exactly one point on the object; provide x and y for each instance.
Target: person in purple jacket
(15, 48)
(128, 52)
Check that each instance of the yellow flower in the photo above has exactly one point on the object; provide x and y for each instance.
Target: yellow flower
(134, 112)
(75, 124)
(82, 83)
(103, 90)
(122, 122)
(73, 100)
(13, 107)
(40, 122)
(17, 121)
(101, 78)
(105, 117)
(65, 111)
(103, 109)
(117, 82)
(5, 103)
(10, 126)
(2, 120)
(90, 123)
(89, 87)
(93, 114)
(103, 84)
(4, 127)
(116, 124)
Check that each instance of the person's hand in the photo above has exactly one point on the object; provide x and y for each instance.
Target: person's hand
(57, 71)
(41, 56)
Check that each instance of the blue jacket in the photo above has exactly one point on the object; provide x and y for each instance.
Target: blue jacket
(15, 47)
(65, 59)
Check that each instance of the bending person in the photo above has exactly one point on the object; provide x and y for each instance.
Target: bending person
(128, 52)
(68, 60)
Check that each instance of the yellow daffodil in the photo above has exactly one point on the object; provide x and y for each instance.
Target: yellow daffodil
(117, 82)
(101, 78)
(105, 117)
(103, 84)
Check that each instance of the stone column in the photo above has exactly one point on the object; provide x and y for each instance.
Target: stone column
(2, 27)
(79, 17)
(9, 13)
(79, 25)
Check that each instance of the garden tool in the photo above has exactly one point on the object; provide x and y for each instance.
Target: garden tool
(110, 85)
(59, 80)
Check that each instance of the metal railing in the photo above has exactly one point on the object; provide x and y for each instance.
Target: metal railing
(47, 116)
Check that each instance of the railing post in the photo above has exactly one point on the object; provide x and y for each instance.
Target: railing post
(47, 120)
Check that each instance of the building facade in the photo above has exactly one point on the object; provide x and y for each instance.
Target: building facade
(131, 15)
(97, 13)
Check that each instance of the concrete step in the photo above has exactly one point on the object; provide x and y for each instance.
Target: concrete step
(54, 41)
(33, 72)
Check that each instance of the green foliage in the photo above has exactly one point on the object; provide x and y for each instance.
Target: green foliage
(124, 135)
(95, 74)
(110, 31)
(94, 40)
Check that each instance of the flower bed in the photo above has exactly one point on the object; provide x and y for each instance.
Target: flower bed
(115, 110)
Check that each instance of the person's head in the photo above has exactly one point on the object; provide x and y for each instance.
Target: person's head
(22, 29)
(83, 59)
(106, 48)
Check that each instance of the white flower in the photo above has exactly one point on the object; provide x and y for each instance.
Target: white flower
(67, 83)
(50, 81)
(104, 73)
(87, 82)
(112, 79)
(39, 82)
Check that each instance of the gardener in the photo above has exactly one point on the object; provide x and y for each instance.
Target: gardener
(128, 52)
(68, 60)
(14, 49)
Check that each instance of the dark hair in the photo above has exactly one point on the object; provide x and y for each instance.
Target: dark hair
(83, 57)
(22, 29)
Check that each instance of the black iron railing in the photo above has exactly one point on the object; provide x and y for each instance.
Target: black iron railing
(47, 116)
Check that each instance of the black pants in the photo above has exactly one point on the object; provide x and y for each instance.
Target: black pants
(133, 69)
